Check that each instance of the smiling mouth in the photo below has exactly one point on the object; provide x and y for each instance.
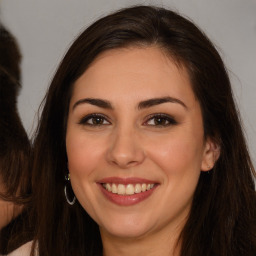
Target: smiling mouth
(128, 189)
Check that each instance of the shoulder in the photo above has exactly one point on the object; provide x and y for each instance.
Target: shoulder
(24, 250)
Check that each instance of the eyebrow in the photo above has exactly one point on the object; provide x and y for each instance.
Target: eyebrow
(156, 101)
(142, 105)
(96, 102)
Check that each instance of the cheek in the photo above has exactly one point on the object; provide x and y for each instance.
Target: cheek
(83, 155)
(177, 155)
(83, 159)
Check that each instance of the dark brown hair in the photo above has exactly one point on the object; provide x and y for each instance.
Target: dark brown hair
(223, 214)
(14, 144)
(10, 53)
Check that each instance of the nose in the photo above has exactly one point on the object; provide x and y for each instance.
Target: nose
(125, 149)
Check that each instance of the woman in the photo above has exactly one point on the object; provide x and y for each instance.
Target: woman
(139, 150)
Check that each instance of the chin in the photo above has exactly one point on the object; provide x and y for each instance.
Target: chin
(126, 229)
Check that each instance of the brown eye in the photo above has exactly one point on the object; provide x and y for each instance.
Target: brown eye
(160, 120)
(94, 120)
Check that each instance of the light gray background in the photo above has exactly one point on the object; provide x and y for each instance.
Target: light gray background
(46, 28)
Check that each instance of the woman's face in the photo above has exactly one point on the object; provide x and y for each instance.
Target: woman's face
(135, 142)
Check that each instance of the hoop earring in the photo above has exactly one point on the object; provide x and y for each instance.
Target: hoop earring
(66, 194)
(68, 201)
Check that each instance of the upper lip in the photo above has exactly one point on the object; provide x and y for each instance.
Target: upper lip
(125, 181)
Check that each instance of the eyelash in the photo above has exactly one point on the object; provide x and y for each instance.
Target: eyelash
(85, 120)
(103, 120)
(161, 117)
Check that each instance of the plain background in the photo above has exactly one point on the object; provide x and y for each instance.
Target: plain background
(46, 28)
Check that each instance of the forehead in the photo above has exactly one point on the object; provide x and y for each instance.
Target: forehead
(144, 71)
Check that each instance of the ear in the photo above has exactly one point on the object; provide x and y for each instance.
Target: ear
(210, 155)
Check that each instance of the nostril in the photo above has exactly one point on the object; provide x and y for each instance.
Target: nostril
(125, 152)
(124, 164)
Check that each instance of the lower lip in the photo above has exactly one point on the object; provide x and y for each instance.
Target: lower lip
(127, 200)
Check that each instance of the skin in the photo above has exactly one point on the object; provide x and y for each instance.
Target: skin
(8, 210)
(129, 142)
(6, 213)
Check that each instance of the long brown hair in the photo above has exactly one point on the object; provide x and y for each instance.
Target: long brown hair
(223, 214)
(14, 143)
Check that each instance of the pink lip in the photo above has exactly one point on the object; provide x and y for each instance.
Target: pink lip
(126, 200)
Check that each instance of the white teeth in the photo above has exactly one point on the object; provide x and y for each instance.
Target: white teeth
(108, 187)
(129, 189)
(114, 188)
(121, 189)
(137, 188)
